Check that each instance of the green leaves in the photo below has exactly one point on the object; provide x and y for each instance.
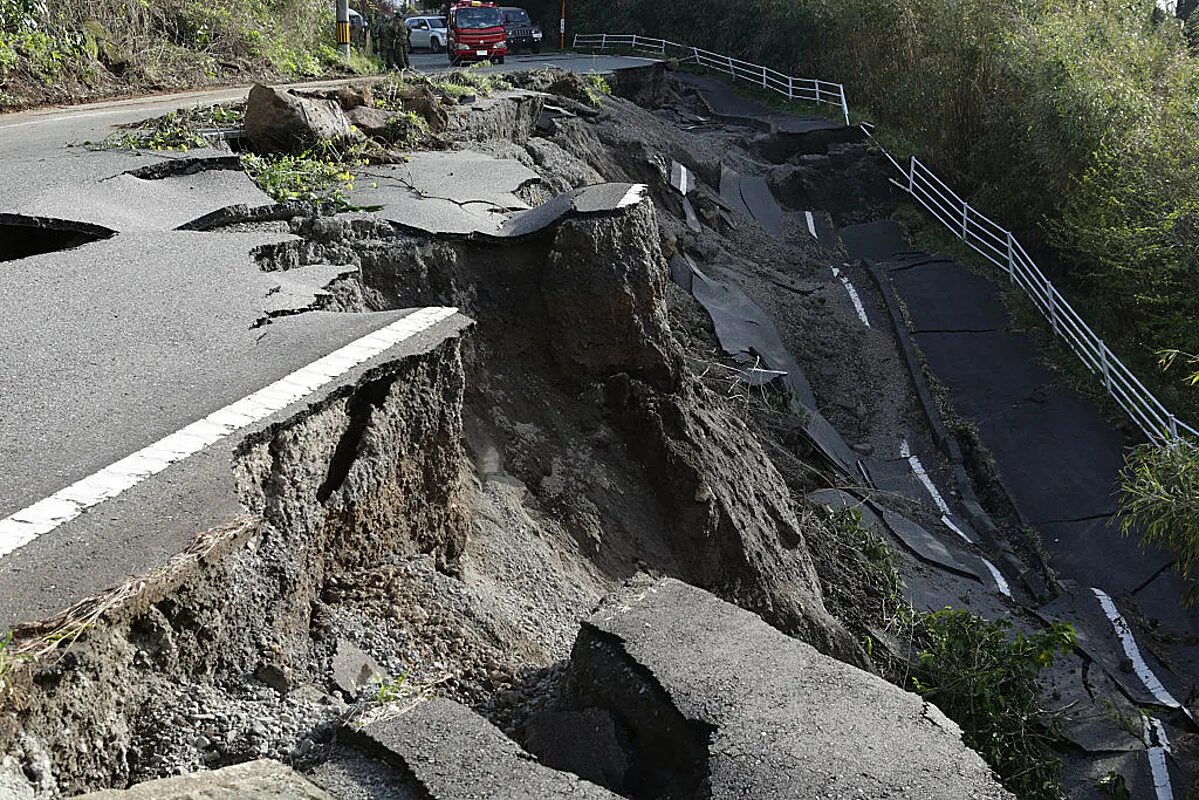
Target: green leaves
(178, 130)
(1160, 499)
(985, 679)
(315, 176)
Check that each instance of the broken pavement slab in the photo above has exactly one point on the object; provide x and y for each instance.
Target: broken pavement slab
(1141, 677)
(455, 754)
(768, 715)
(253, 780)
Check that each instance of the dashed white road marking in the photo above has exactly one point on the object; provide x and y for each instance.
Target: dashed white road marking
(1157, 746)
(811, 224)
(948, 522)
(633, 196)
(1000, 581)
(905, 451)
(853, 296)
(21, 528)
(1133, 651)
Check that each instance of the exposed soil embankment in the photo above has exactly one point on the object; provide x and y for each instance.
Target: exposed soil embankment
(447, 521)
(373, 471)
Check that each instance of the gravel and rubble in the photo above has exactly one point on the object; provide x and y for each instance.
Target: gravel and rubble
(446, 528)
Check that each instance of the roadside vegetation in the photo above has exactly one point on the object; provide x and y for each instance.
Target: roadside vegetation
(986, 680)
(981, 673)
(71, 50)
(1075, 122)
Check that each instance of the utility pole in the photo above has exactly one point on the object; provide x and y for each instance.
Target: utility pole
(562, 27)
(343, 29)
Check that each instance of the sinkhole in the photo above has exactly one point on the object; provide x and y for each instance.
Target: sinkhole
(22, 237)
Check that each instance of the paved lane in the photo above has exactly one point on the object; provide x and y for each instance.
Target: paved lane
(112, 346)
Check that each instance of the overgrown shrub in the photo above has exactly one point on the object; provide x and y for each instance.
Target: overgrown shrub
(1161, 500)
(75, 47)
(985, 679)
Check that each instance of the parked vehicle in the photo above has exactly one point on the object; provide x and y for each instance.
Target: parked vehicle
(522, 31)
(428, 32)
(476, 33)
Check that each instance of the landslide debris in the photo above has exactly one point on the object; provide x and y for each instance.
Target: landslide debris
(444, 525)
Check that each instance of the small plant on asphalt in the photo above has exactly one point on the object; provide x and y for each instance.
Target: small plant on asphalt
(390, 691)
(985, 680)
(181, 130)
(597, 88)
(406, 130)
(1160, 499)
(319, 175)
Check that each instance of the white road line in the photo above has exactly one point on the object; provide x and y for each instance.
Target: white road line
(633, 196)
(1129, 643)
(811, 224)
(906, 452)
(945, 519)
(24, 526)
(1157, 746)
(853, 297)
(1000, 581)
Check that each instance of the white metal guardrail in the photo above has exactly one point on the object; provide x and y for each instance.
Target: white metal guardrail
(987, 237)
(811, 90)
(999, 246)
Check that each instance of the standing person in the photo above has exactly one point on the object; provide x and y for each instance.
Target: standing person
(387, 41)
(403, 43)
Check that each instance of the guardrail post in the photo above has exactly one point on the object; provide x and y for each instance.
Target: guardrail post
(732, 71)
(791, 87)
(763, 77)
(1051, 297)
(844, 104)
(1105, 365)
(965, 217)
(1174, 428)
(912, 175)
(1011, 257)
(695, 55)
(634, 44)
(603, 41)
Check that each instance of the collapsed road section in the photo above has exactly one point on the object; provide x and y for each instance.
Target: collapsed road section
(343, 487)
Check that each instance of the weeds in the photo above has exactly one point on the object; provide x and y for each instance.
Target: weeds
(986, 681)
(8, 662)
(882, 573)
(597, 88)
(318, 175)
(1160, 499)
(181, 130)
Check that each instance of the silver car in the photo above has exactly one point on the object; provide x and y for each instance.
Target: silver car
(427, 32)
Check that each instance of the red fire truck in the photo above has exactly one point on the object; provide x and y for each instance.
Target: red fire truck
(476, 33)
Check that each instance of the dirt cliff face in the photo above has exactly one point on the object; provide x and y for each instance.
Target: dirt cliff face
(456, 514)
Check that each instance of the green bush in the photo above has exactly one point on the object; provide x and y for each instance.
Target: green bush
(985, 679)
(66, 47)
(1160, 499)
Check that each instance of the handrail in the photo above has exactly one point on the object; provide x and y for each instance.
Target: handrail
(981, 233)
(808, 89)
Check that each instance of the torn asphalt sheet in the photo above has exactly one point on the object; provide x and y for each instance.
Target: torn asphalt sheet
(747, 334)
(745, 331)
(752, 196)
(1094, 632)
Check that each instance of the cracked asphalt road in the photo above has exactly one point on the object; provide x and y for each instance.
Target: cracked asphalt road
(116, 344)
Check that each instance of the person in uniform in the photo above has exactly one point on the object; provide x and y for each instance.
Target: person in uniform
(383, 40)
(403, 39)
